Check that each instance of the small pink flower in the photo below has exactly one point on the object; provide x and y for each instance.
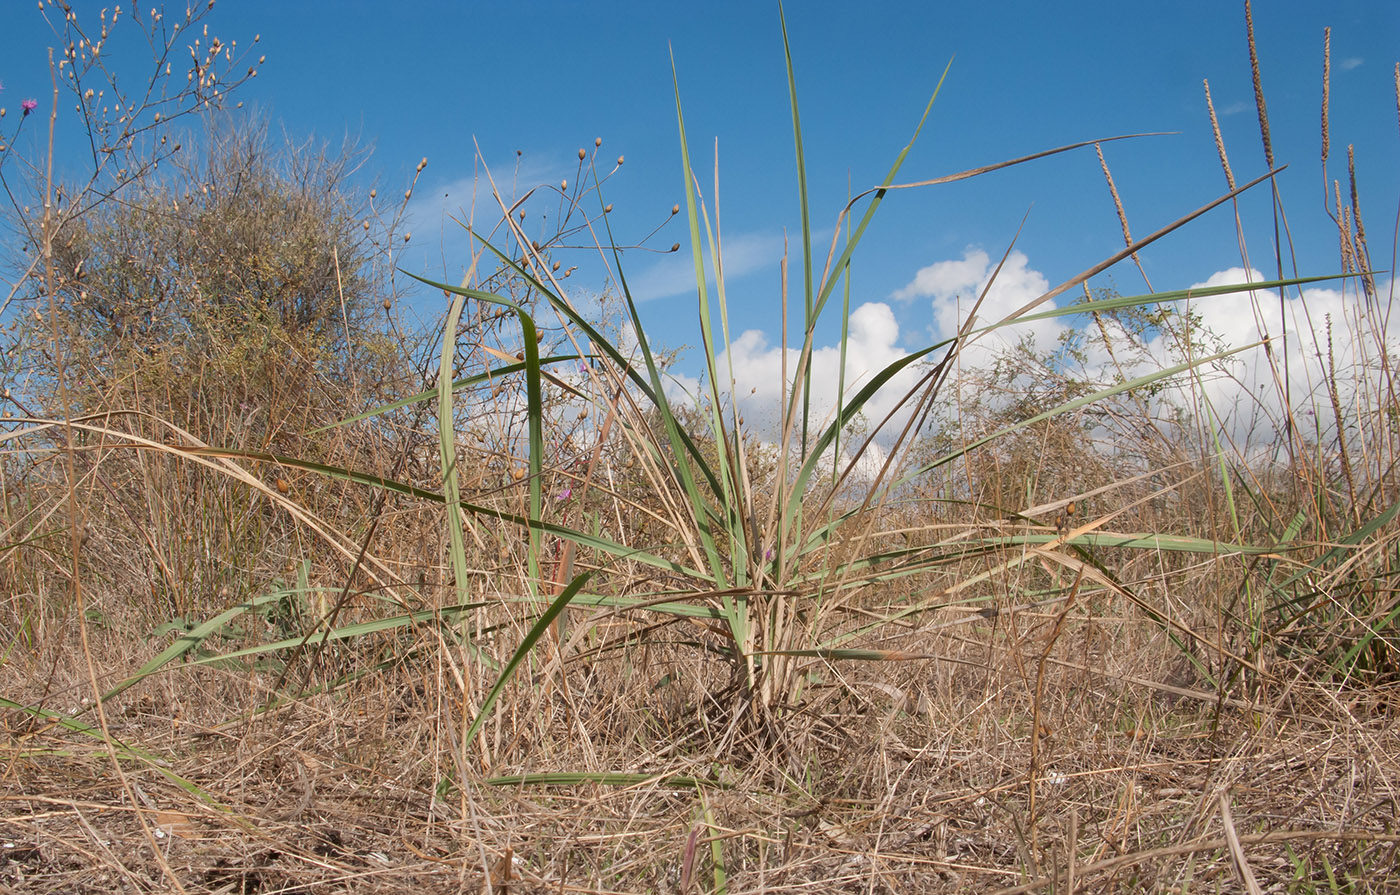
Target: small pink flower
(565, 494)
(29, 105)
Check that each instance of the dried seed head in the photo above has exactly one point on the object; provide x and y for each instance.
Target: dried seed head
(407, 237)
(597, 141)
(582, 155)
(564, 184)
(373, 193)
(676, 247)
(675, 209)
(583, 414)
(366, 223)
(282, 486)
(522, 214)
(388, 304)
(517, 473)
(620, 160)
(423, 164)
(556, 266)
(607, 209)
(407, 194)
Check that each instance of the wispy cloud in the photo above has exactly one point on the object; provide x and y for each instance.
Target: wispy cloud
(675, 274)
(440, 242)
(1351, 62)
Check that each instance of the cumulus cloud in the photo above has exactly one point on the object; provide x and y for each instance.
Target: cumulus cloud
(758, 370)
(953, 288)
(1315, 332)
(1311, 335)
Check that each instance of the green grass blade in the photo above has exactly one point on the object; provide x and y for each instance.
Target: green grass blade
(432, 394)
(809, 315)
(192, 639)
(532, 636)
(447, 451)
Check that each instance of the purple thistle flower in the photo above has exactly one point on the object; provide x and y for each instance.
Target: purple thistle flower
(29, 105)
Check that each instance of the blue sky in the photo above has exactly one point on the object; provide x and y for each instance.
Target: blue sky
(545, 78)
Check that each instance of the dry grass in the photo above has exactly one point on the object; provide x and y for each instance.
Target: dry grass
(900, 776)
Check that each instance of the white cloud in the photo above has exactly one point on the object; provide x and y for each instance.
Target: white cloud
(1321, 330)
(758, 371)
(954, 287)
(1313, 334)
(1351, 62)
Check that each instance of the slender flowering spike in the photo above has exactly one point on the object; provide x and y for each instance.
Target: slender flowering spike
(29, 105)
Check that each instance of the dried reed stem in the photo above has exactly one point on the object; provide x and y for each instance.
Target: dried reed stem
(1219, 140)
(1326, 92)
(1343, 228)
(1359, 248)
(1258, 87)
(1122, 215)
